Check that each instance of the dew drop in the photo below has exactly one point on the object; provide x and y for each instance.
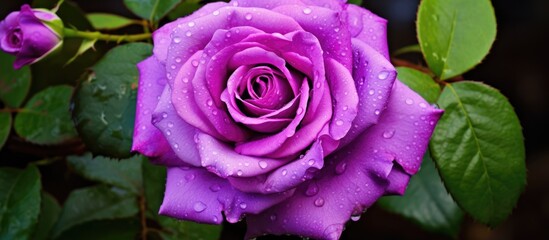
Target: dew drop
(377, 112)
(185, 80)
(215, 13)
(355, 218)
(319, 202)
(164, 115)
(191, 24)
(239, 173)
(345, 108)
(243, 205)
(194, 63)
(311, 162)
(188, 33)
(284, 172)
(371, 92)
(248, 16)
(170, 124)
(199, 207)
(263, 164)
(311, 190)
(176, 39)
(307, 11)
(273, 217)
(215, 188)
(388, 134)
(423, 105)
(339, 122)
(341, 167)
(168, 132)
(409, 101)
(209, 102)
(383, 75)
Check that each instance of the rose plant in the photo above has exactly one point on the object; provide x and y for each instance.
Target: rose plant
(286, 112)
(30, 35)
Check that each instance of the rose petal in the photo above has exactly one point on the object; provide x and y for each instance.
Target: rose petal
(197, 195)
(178, 133)
(286, 177)
(147, 139)
(7, 25)
(398, 181)
(333, 23)
(369, 28)
(345, 98)
(374, 76)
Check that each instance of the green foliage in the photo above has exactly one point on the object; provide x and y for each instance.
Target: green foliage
(99, 202)
(14, 84)
(152, 10)
(104, 105)
(426, 202)
(49, 213)
(420, 82)
(19, 202)
(107, 21)
(5, 127)
(479, 150)
(120, 173)
(455, 35)
(357, 2)
(45, 119)
(184, 8)
(116, 229)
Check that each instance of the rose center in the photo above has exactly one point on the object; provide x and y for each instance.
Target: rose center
(14, 38)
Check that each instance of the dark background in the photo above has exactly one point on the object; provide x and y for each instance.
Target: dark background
(516, 66)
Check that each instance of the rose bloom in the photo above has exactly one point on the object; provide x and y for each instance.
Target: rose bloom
(285, 112)
(30, 35)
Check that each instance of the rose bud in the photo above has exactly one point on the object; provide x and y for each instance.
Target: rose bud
(30, 35)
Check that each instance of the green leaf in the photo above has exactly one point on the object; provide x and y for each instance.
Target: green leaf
(420, 82)
(119, 229)
(152, 10)
(357, 2)
(455, 35)
(121, 173)
(107, 21)
(14, 84)
(45, 119)
(49, 212)
(154, 182)
(479, 150)
(95, 203)
(19, 202)
(104, 105)
(84, 46)
(5, 127)
(185, 8)
(175, 230)
(408, 49)
(426, 202)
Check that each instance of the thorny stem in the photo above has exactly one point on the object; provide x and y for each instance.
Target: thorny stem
(106, 37)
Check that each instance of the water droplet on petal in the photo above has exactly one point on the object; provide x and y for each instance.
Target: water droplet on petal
(239, 173)
(215, 13)
(215, 188)
(307, 11)
(339, 122)
(263, 164)
(194, 63)
(371, 92)
(311, 162)
(199, 207)
(248, 16)
(176, 39)
(312, 189)
(355, 217)
(377, 112)
(409, 101)
(191, 24)
(383, 75)
(243, 205)
(209, 102)
(423, 105)
(170, 124)
(389, 134)
(273, 217)
(341, 167)
(284, 172)
(319, 202)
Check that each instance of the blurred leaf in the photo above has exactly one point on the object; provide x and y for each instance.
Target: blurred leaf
(14, 84)
(95, 203)
(479, 150)
(45, 119)
(153, 10)
(408, 49)
(175, 229)
(420, 82)
(357, 2)
(119, 229)
(121, 173)
(104, 109)
(84, 46)
(455, 35)
(19, 202)
(49, 212)
(184, 8)
(426, 202)
(108, 21)
(5, 127)
(154, 182)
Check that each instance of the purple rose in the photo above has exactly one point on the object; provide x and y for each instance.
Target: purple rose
(287, 112)
(30, 35)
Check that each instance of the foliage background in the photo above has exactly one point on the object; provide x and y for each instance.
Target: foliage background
(516, 66)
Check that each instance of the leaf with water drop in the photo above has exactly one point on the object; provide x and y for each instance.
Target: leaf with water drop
(45, 119)
(479, 150)
(104, 104)
(125, 173)
(152, 10)
(420, 82)
(99, 202)
(14, 84)
(426, 202)
(455, 35)
(19, 202)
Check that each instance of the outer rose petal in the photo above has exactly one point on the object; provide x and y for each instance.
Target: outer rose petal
(369, 28)
(197, 195)
(358, 174)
